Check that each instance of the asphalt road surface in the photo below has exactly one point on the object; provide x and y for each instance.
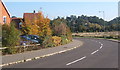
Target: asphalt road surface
(93, 54)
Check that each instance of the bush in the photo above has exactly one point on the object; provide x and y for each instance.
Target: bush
(64, 39)
(69, 34)
(47, 42)
(11, 50)
(56, 40)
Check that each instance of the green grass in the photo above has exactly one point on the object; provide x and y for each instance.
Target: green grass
(96, 37)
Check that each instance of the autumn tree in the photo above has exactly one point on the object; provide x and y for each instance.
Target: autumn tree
(43, 24)
(30, 29)
(61, 29)
(40, 26)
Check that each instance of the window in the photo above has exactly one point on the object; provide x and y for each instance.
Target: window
(20, 25)
(4, 19)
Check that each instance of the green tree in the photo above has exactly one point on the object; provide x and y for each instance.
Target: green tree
(10, 38)
(10, 35)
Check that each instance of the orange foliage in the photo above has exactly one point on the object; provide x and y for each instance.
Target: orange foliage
(56, 40)
(40, 26)
(44, 26)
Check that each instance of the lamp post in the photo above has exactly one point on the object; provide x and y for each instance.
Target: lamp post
(104, 20)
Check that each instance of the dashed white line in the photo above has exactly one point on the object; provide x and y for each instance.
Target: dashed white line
(94, 52)
(101, 47)
(76, 61)
(85, 56)
(102, 44)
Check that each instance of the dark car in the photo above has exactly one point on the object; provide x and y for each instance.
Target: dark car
(30, 39)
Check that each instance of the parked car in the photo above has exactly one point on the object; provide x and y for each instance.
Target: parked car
(28, 39)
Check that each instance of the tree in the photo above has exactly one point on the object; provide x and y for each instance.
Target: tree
(30, 29)
(10, 35)
(14, 17)
(40, 27)
(61, 29)
(44, 25)
(96, 24)
(5, 35)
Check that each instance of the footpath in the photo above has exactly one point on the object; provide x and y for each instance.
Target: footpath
(33, 55)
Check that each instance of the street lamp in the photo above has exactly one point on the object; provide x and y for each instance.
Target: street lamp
(103, 19)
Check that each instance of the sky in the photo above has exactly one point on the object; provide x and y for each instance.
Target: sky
(63, 9)
(61, 0)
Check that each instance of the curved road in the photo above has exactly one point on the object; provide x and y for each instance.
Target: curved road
(94, 53)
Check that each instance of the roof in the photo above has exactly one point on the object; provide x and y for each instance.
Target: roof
(31, 14)
(16, 20)
(5, 7)
(31, 17)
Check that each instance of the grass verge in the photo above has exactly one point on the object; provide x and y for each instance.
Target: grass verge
(96, 37)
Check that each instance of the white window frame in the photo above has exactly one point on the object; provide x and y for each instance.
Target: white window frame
(20, 25)
(4, 19)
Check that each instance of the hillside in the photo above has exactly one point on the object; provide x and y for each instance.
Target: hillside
(91, 24)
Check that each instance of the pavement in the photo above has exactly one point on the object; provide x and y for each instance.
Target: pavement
(94, 53)
(33, 55)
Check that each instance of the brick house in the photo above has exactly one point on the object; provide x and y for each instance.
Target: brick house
(18, 22)
(30, 18)
(4, 14)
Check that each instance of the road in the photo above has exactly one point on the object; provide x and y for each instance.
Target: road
(94, 53)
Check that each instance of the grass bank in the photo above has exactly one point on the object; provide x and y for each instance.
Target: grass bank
(103, 35)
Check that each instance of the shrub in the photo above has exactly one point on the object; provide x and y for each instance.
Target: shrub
(56, 40)
(10, 50)
(47, 42)
(64, 39)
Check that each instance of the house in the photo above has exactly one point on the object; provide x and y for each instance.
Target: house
(18, 22)
(30, 18)
(4, 14)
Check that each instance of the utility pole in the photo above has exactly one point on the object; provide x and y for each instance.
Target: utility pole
(104, 20)
(119, 9)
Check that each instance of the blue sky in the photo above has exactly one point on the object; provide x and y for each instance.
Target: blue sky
(54, 9)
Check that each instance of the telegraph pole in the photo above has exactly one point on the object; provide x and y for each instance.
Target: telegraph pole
(104, 20)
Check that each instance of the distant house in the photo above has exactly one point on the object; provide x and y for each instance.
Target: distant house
(4, 14)
(18, 22)
(30, 18)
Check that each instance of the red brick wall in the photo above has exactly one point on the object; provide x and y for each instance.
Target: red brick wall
(30, 18)
(4, 13)
(1, 13)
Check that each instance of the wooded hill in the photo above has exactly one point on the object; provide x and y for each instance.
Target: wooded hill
(91, 24)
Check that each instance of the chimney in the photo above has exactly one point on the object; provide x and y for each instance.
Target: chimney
(34, 11)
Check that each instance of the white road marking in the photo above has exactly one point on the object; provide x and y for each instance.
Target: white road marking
(76, 60)
(101, 47)
(94, 52)
(98, 49)
(85, 56)
(102, 44)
